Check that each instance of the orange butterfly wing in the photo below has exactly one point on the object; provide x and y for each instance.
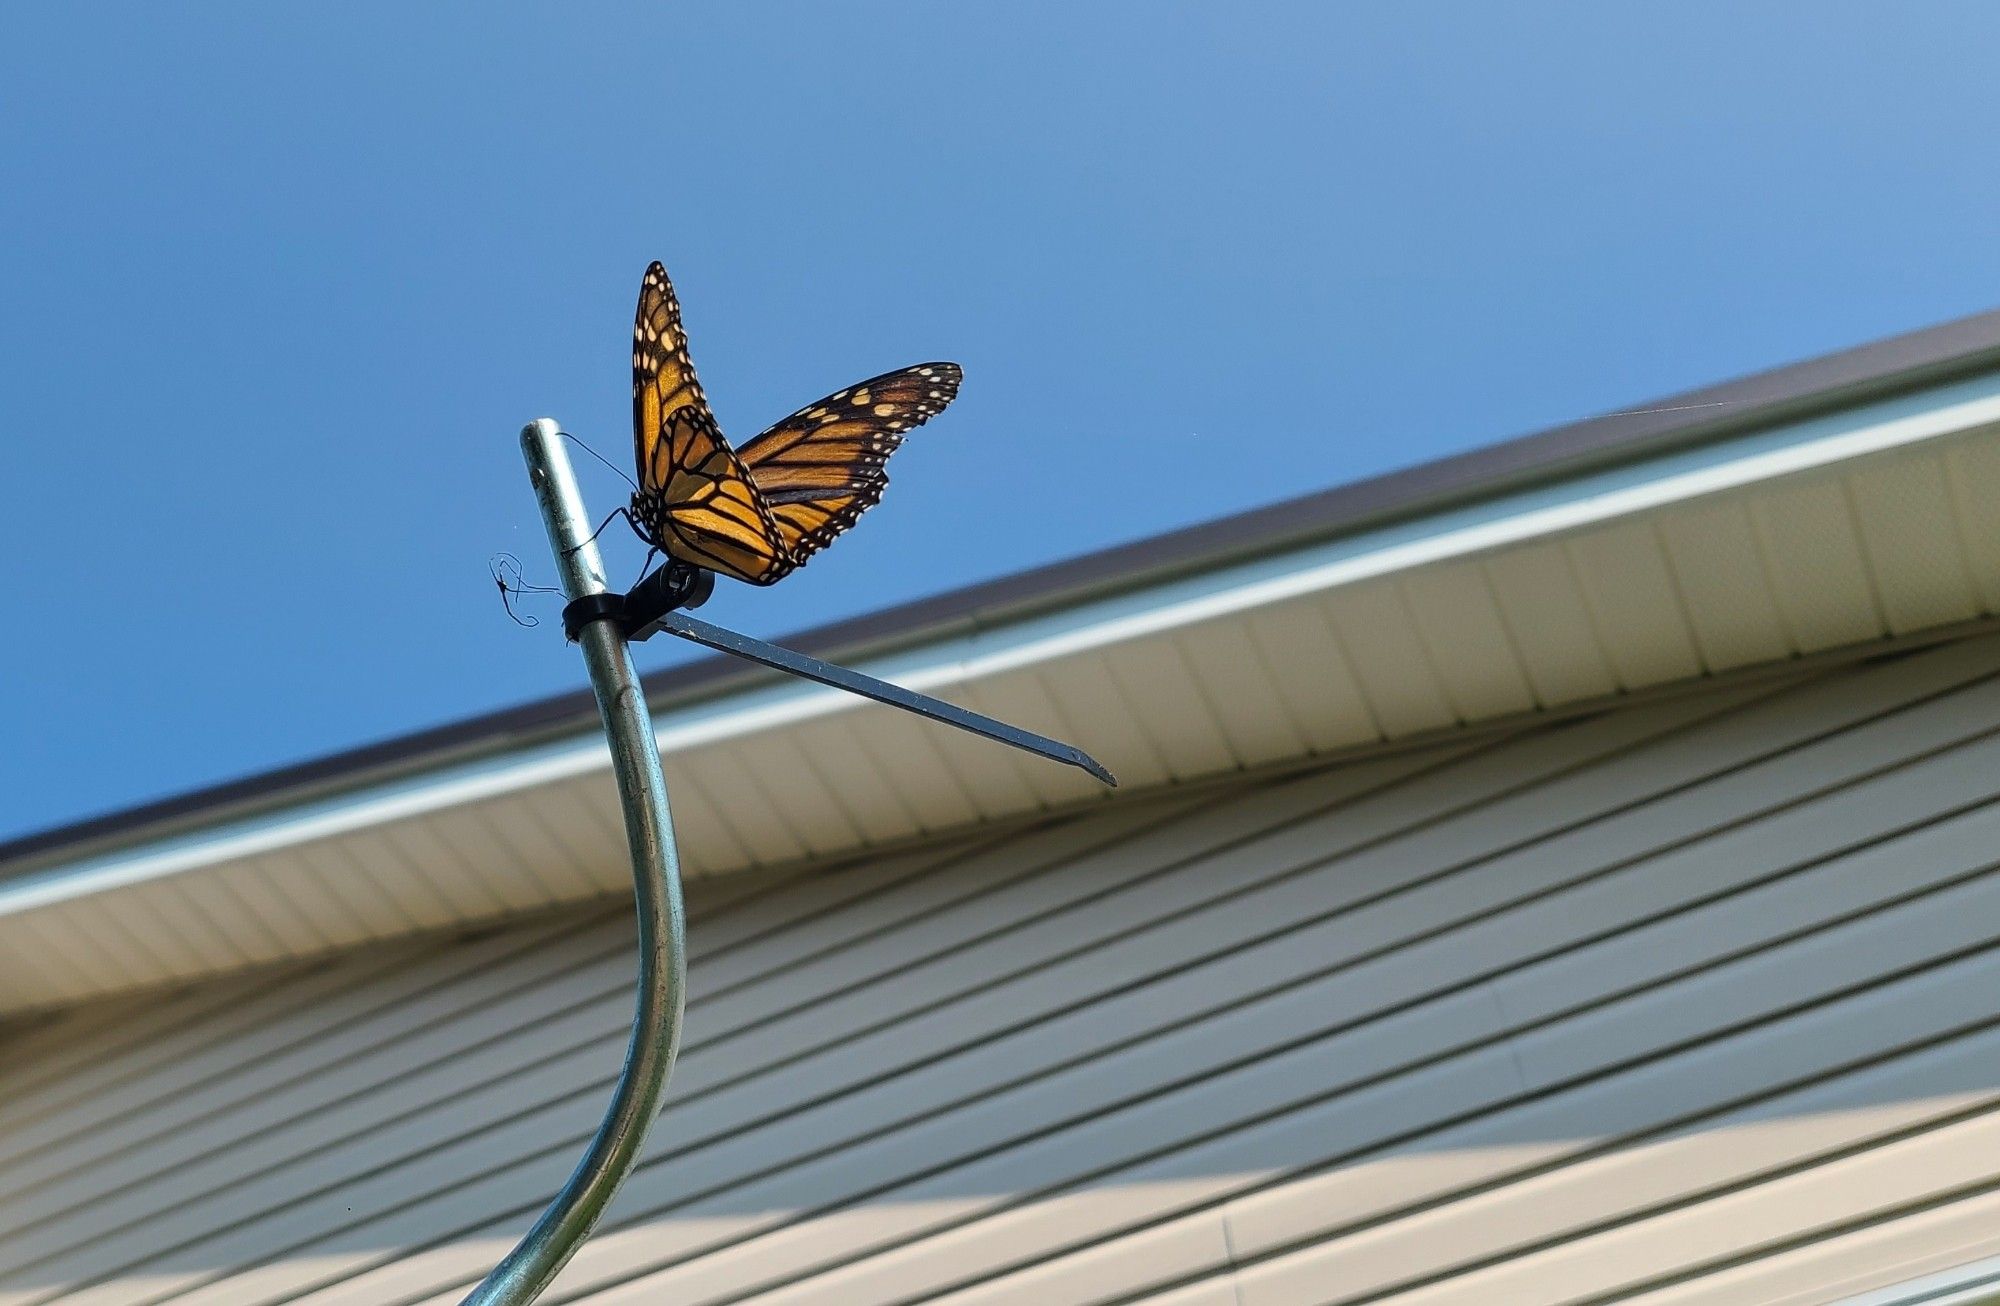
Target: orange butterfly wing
(822, 467)
(709, 512)
(695, 497)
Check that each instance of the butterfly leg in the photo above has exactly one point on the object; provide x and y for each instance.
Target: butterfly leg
(651, 554)
(616, 513)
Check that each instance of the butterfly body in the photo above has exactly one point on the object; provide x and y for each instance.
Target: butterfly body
(759, 512)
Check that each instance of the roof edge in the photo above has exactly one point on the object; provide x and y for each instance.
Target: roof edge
(1899, 364)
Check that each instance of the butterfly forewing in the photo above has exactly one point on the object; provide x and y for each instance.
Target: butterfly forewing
(663, 379)
(694, 499)
(809, 525)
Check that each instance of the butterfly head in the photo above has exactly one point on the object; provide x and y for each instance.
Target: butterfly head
(646, 511)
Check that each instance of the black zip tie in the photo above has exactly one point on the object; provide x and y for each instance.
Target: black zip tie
(592, 607)
(638, 613)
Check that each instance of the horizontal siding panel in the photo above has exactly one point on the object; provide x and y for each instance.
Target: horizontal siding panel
(873, 1039)
(579, 1008)
(1151, 951)
(1469, 1019)
(1880, 1255)
(1795, 1129)
(1553, 1000)
(112, 1047)
(1197, 1294)
(1593, 1119)
(219, 1078)
(1884, 1178)
(1195, 1247)
(1505, 769)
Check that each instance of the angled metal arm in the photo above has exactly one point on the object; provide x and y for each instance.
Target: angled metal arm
(697, 631)
(642, 792)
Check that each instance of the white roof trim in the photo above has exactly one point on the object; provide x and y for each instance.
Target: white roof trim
(1095, 634)
(1514, 518)
(1537, 514)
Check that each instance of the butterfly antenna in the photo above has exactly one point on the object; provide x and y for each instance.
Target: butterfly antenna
(601, 458)
(506, 570)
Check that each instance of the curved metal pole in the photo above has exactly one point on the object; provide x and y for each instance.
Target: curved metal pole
(642, 792)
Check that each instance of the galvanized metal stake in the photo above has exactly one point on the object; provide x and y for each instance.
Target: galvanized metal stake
(642, 792)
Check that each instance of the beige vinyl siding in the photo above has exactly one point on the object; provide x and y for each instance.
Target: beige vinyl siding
(1697, 1000)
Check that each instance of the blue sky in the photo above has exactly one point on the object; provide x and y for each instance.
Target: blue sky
(279, 285)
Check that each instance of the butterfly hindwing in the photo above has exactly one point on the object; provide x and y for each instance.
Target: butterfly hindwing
(709, 512)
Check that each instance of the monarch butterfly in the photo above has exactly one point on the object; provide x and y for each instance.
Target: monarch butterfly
(758, 512)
